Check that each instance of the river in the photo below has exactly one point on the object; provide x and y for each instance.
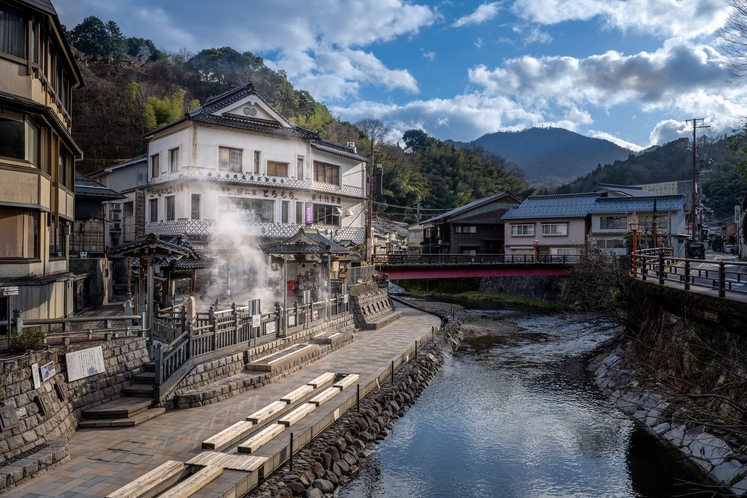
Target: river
(513, 413)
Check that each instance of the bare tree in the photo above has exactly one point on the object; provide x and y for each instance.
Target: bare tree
(733, 41)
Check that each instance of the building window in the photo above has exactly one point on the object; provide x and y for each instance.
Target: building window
(467, 229)
(257, 160)
(65, 170)
(275, 168)
(20, 233)
(522, 230)
(415, 234)
(12, 33)
(153, 206)
(326, 173)
(555, 229)
(170, 207)
(57, 237)
(561, 251)
(19, 136)
(299, 167)
(469, 252)
(285, 208)
(229, 159)
(155, 169)
(326, 215)
(249, 210)
(174, 160)
(196, 206)
(612, 223)
(300, 213)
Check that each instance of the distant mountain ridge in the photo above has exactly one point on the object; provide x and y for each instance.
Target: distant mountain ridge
(544, 152)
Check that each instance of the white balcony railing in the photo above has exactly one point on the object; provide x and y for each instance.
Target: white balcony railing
(257, 229)
(211, 175)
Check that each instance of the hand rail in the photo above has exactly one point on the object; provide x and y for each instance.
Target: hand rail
(477, 259)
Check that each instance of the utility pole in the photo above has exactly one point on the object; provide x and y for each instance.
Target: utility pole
(369, 208)
(693, 216)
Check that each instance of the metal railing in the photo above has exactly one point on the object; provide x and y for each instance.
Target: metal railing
(722, 276)
(477, 259)
(220, 333)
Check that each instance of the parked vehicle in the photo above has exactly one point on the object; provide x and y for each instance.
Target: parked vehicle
(696, 250)
(729, 248)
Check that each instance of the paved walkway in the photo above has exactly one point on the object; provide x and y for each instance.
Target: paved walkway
(103, 460)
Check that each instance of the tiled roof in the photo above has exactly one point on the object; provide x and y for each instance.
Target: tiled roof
(466, 207)
(304, 242)
(135, 160)
(85, 187)
(335, 148)
(641, 204)
(624, 190)
(552, 206)
(151, 245)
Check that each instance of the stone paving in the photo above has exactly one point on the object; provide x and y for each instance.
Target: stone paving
(103, 460)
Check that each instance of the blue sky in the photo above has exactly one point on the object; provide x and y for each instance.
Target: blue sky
(630, 71)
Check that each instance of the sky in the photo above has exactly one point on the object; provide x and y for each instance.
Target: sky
(630, 71)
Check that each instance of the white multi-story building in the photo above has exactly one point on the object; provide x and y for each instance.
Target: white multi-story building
(237, 158)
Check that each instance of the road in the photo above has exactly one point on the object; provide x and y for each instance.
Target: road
(706, 273)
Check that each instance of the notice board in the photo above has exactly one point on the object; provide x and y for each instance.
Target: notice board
(84, 363)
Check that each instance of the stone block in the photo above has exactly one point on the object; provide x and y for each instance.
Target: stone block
(726, 472)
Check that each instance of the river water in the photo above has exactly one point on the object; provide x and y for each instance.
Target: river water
(514, 414)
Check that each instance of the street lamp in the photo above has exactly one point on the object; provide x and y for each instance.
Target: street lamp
(536, 253)
(634, 225)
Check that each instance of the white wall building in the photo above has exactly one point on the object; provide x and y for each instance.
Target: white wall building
(237, 158)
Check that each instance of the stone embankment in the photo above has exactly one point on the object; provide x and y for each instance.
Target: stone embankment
(720, 458)
(340, 451)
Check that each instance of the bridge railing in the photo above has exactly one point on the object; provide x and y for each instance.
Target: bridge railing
(477, 259)
(721, 276)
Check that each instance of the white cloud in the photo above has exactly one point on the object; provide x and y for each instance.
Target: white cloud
(668, 130)
(532, 34)
(484, 12)
(663, 18)
(615, 140)
(428, 55)
(478, 43)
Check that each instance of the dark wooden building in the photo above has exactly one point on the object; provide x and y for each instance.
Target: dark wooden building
(475, 228)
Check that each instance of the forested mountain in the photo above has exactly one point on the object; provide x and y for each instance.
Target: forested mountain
(133, 87)
(543, 152)
(722, 186)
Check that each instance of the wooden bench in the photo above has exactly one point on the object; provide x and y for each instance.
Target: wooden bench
(346, 381)
(244, 463)
(193, 483)
(256, 441)
(297, 394)
(322, 379)
(151, 483)
(282, 358)
(324, 396)
(267, 412)
(228, 437)
(297, 414)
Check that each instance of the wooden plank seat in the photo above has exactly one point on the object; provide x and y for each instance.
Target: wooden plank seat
(324, 396)
(282, 358)
(151, 483)
(193, 483)
(297, 394)
(297, 414)
(228, 437)
(262, 437)
(244, 463)
(325, 378)
(330, 337)
(267, 412)
(346, 381)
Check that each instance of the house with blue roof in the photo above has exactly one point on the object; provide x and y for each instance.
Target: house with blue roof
(475, 228)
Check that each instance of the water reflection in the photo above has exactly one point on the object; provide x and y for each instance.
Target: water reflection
(517, 416)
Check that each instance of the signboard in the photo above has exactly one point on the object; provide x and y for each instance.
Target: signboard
(35, 375)
(291, 320)
(9, 291)
(256, 320)
(346, 298)
(270, 327)
(84, 363)
(737, 216)
(47, 371)
(316, 314)
(309, 206)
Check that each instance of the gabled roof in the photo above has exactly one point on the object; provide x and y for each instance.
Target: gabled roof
(304, 242)
(640, 204)
(470, 206)
(624, 190)
(87, 188)
(143, 158)
(151, 245)
(335, 148)
(553, 206)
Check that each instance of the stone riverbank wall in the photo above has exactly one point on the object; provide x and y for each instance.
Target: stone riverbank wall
(719, 454)
(338, 453)
(547, 288)
(39, 440)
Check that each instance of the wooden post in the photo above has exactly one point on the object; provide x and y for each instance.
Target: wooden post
(687, 274)
(392, 372)
(358, 397)
(291, 452)
(721, 279)
(661, 268)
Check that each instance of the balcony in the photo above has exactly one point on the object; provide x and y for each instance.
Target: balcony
(255, 229)
(212, 175)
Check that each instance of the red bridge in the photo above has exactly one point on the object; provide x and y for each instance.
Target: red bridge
(423, 266)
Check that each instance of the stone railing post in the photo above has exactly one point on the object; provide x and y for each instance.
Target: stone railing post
(661, 268)
(128, 312)
(159, 364)
(183, 324)
(235, 323)
(190, 338)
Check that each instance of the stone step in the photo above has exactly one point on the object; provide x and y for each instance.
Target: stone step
(149, 366)
(297, 394)
(324, 396)
(122, 422)
(193, 483)
(297, 414)
(267, 412)
(139, 390)
(151, 483)
(228, 437)
(119, 408)
(145, 378)
(346, 381)
(256, 441)
(325, 378)
(282, 358)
